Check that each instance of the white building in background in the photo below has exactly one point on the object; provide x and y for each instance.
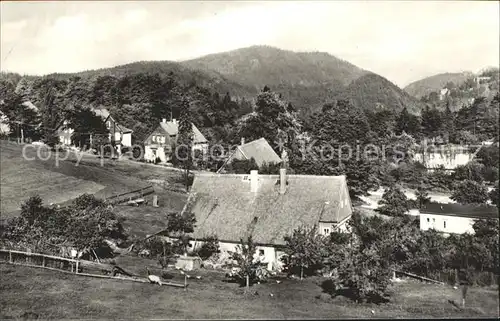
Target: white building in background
(453, 218)
(449, 156)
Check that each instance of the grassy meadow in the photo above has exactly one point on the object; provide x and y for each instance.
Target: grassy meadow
(60, 182)
(56, 295)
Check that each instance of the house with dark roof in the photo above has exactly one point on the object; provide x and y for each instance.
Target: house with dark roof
(259, 150)
(268, 207)
(453, 218)
(160, 142)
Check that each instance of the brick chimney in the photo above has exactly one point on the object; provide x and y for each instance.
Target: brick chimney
(254, 181)
(282, 180)
(164, 120)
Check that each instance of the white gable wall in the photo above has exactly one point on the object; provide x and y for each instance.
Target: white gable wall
(270, 254)
(127, 139)
(446, 223)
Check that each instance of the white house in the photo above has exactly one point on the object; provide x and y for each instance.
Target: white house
(268, 207)
(160, 142)
(453, 218)
(119, 134)
(4, 124)
(449, 156)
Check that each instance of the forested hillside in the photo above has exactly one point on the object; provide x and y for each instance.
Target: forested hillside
(424, 87)
(306, 79)
(138, 100)
(372, 90)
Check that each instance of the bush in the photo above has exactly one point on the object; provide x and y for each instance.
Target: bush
(137, 153)
(210, 247)
(155, 248)
(490, 174)
(249, 270)
(305, 250)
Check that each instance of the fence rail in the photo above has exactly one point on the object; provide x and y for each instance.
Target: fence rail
(67, 265)
(116, 199)
(451, 276)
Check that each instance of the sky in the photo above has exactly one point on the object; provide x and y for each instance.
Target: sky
(402, 41)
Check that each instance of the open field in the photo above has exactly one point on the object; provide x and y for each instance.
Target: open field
(57, 295)
(146, 219)
(60, 182)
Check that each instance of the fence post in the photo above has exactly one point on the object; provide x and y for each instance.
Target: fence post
(10, 257)
(43, 261)
(76, 270)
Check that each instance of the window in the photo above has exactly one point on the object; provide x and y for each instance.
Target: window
(154, 138)
(261, 252)
(433, 220)
(428, 220)
(444, 224)
(326, 231)
(245, 177)
(108, 124)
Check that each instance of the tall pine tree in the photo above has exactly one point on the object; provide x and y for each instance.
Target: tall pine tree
(185, 140)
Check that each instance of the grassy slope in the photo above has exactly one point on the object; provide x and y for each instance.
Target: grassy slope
(56, 295)
(60, 184)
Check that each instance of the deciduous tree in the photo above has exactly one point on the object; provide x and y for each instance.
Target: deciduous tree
(470, 192)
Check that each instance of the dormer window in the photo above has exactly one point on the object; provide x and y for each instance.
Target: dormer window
(326, 231)
(245, 178)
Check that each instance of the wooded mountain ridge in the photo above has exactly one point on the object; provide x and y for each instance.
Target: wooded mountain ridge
(306, 79)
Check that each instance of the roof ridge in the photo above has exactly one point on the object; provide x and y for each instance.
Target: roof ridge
(270, 175)
(255, 141)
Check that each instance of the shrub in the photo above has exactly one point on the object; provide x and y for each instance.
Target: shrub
(210, 246)
(154, 246)
(137, 153)
(249, 270)
(470, 192)
(305, 250)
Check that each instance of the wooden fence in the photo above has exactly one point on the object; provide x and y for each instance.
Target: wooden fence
(124, 197)
(67, 265)
(450, 276)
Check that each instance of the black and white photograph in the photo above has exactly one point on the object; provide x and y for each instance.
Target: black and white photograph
(199, 160)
